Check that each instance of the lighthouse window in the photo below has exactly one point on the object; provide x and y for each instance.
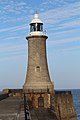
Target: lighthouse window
(38, 68)
(36, 27)
(39, 27)
(32, 28)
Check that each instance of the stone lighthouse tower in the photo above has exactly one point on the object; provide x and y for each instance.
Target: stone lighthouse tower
(38, 86)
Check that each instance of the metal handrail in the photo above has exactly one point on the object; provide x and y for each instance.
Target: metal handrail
(26, 109)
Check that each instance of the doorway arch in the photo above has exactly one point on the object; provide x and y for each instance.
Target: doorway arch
(40, 101)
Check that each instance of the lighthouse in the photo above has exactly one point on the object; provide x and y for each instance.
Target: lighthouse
(38, 85)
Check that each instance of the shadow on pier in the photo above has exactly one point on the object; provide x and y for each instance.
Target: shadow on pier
(41, 114)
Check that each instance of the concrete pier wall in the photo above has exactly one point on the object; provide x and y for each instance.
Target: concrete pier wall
(62, 105)
(3, 96)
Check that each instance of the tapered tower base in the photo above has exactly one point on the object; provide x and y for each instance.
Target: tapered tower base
(39, 86)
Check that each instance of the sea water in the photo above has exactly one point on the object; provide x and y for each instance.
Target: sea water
(76, 100)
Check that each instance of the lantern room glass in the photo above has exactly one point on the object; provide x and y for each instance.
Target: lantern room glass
(36, 27)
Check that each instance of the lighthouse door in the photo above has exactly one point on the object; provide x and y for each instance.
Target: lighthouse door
(40, 101)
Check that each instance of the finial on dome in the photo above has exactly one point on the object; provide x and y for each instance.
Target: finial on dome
(36, 12)
(36, 18)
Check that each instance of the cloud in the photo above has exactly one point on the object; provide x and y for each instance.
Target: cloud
(68, 40)
(12, 56)
(57, 19)
(63, 22)
(12, 48)
(13, 10)
(63, 14)
(66, 25)
(11, 38)
(55, 2)
(70, 49)
(58, 3)
(53, 16)
(14, 6)
(64, 33)
(15, 28)
(11, 51)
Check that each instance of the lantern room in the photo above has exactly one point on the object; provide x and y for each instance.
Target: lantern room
(36, 26)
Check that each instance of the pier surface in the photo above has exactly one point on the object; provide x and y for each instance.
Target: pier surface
(10, 109)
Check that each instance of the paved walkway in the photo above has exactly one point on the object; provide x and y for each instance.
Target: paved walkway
(41, 114)
(11, 109)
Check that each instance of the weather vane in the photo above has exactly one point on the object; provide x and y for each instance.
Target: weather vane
(36, 12)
